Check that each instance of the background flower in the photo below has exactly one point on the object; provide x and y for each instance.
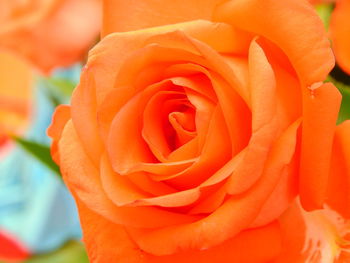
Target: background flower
(11, 250)
(52, 33)
(16, 95)
(36, 209)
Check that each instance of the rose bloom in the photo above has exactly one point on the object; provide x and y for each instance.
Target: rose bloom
(49, 33)
(203, 132)
(16, 90)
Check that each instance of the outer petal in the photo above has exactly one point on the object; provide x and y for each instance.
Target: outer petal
(292, 25)
(340, 33)
(60, 118)
(321, 106)
(281, 197)
(108, 242)
(338, 195)
(83, 178)
(119, 15)
(293, 230)
(264, 126)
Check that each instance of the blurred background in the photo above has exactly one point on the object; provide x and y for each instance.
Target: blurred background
(43, 47)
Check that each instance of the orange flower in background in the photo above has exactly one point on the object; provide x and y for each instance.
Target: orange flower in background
(16, 83)
(52, 33)
(340, 33)
(186, 140)
(11, 250)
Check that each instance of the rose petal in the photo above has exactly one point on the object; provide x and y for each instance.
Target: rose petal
(236, 112)
(84, 107)
(121, 16)
(234, 215)
(117, 187)
(109, 242)
(338, 193)
(293, 230)
(60, 118)
(264, 123)
(302, 36)
(127, 149)
(320, 109)
(209, 160)
(281, 197)
(210, 203)
(82, 177)
(289, 94)
(127, 194)
(156, 128)
(142, 181)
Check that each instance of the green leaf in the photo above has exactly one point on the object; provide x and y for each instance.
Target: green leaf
(65, 86)
(58, 90)
(40, 151)
(325, 11)
(344, 113)
(71, 252)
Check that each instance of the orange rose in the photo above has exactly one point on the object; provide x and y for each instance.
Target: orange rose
(16, 83)
(49, 33)
(185, 142)
(340, 33)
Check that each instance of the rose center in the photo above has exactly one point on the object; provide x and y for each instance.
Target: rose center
(169, 121)
(180, 127)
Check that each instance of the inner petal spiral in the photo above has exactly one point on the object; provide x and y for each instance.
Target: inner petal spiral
(168, 123)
